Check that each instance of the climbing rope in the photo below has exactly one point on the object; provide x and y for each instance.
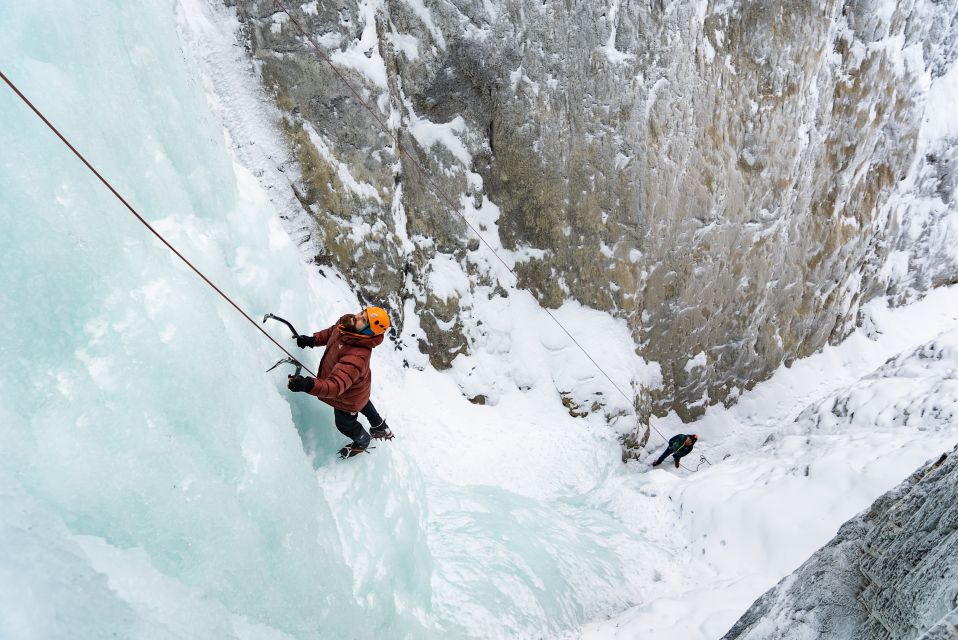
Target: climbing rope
(439, 193)
(422, 172)
(126, 204)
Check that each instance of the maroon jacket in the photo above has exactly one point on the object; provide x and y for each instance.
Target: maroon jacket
(344, 380)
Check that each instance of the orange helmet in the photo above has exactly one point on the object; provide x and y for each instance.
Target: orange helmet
(378, 320)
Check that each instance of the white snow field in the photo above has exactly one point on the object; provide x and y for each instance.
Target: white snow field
(155, 482)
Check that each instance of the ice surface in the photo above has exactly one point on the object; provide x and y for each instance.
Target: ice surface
(135, 409)
(156, 483)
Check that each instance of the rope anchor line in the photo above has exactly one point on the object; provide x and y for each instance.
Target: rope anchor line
(423, 174)
(137, 215)
(445, 198)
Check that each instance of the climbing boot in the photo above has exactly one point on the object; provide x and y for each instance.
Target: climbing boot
(382, 432)
(351, 450)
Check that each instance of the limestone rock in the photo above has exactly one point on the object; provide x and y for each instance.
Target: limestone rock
(731, 179)
(890, 574)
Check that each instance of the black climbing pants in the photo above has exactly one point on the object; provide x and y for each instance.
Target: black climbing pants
(681, 453)
(349, 425)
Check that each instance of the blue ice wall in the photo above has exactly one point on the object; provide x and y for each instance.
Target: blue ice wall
(154, 483)
(133, 405)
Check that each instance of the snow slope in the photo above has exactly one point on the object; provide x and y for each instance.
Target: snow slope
(794, 459)
(157, 484)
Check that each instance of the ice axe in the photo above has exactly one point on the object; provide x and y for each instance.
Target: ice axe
(284, 321)
(290, 360)
(293, 361)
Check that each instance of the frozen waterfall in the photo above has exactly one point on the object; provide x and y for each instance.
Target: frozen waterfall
(156, 483)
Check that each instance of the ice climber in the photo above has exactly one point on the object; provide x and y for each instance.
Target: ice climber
(679, 446)
(345, 381)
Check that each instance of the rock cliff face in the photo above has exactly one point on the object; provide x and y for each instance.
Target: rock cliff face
(946, 629)
(891, 573)
(733, 180)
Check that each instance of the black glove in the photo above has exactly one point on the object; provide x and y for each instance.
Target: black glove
(305, 341)
(300, 383)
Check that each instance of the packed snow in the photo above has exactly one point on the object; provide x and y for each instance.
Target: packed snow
(157, 483)
(798, 456)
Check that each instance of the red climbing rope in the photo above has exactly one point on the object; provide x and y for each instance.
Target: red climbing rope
(119, 197)
(439, 193)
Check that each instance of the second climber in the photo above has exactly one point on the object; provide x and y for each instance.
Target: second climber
(679, 446)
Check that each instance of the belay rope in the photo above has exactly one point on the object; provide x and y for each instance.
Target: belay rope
(136, 214)
(443, 196)
(423, 174)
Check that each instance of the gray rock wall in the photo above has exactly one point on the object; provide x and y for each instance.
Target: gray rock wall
(946, 629)
(729, 178)
(890, 574)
